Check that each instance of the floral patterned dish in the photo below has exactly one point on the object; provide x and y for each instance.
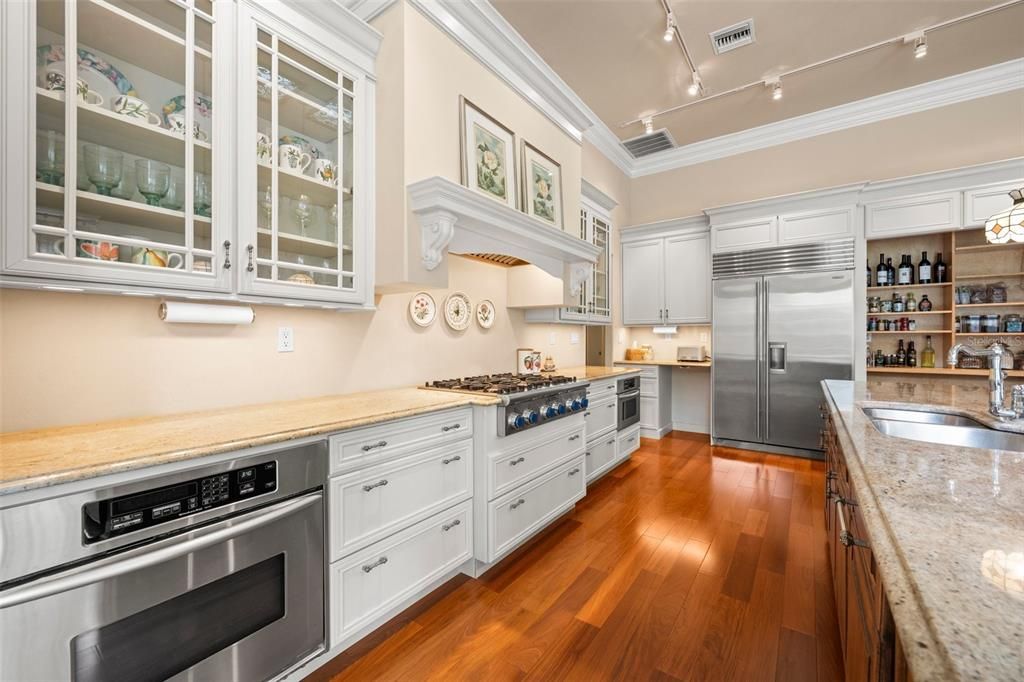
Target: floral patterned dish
(102, 76)
(204, 108)
(485, 314)
(422, 309)
(306, 146)
(458, 311)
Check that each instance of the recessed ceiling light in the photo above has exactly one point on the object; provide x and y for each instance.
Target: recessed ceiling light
(920, 48)
(670, 26)
(694, 84)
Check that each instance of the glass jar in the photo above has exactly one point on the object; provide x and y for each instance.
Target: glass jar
(973, 323)
(897, 303)
(911, 304)
(996, 293)
(912, 325)
(874, 304)
(990, 323)
(885, 305)
(1013, 324)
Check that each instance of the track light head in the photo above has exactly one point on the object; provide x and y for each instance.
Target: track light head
(670, 28)
(920, 47)
(648, 126)
(776, 86)
(695, 84)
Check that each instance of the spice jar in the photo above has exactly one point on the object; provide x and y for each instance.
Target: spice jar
(911, 303)
(1013, 324)
(990, 324)
(997, 293)
(872, 324)
(897, 303)
(885, 305)
(873, 304)
(912, 325)
(973, 323)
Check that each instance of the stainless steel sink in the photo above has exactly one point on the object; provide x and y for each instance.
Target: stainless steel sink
(943, 428)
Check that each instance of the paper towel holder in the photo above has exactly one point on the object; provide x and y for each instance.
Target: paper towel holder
(203, 313)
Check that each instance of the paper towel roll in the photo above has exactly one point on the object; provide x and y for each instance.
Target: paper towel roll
(201, 313)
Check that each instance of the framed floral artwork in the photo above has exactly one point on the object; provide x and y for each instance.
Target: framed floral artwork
(542, 186)
(488, 155)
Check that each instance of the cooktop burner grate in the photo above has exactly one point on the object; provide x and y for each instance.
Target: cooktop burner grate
(502, 384)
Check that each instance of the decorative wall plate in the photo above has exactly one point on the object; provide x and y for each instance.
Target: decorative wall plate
(485, 314)
(422, 309)
(457, 311)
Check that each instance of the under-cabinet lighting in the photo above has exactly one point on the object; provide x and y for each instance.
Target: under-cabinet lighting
(665, 330)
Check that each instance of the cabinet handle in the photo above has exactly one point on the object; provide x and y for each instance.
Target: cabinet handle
(586, 414)
(227, 254)
(379, 562)
(373, 446)
(666, 313)
(448, 526)
(446, 429)
(456, 458)
(371, 486)
(611, 406)
(575, 436)
(518, 503)
(611, 442)
(587, 454)
(252, 258)
(574, 471)
(517, 461)
(845, 536)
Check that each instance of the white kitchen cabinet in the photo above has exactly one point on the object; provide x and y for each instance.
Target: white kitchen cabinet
(809, 227)
(104, 190)
(921, 214)
(687, 278)
(745, 235)
(981, 203)
(667, 279)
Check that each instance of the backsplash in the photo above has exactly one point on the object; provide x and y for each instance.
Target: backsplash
(665, 345)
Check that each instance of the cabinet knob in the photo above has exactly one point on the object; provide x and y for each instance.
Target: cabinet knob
(227, 254)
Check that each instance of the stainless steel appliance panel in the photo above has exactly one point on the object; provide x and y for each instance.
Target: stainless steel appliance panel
(240, 599)
(808, 339)
(736, 359)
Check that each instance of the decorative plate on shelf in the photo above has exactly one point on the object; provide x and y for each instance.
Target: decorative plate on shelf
(204, 108)
(304, 144)
(485, 314)
(328, 116)
(457, 311)
(102, 76)
(422, 309)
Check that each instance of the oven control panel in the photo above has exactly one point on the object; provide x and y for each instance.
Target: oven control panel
(119, 515)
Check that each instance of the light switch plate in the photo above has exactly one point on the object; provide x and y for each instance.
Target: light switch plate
(285, 340)
(552, 338)
(574, 338)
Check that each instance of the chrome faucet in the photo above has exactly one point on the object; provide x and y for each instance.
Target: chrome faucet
(999, 354)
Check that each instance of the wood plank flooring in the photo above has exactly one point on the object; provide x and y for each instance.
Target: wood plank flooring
(686, 563)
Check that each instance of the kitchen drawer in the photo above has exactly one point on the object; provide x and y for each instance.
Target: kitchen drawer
(382, 578)
(602, 387)
(601, 415)
(515, 467)
(361, 447)
(518, 515)
(372, 503)
(649, 386)
(601, 455)
(629, 441)
(649, 372)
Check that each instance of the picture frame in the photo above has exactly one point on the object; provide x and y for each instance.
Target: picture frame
(488, 151)
(541, 185)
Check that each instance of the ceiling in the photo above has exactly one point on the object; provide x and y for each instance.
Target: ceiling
(612, 54)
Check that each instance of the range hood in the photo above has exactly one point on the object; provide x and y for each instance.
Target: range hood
(456, 219)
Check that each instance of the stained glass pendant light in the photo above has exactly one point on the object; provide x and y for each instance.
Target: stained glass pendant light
(1007, 226)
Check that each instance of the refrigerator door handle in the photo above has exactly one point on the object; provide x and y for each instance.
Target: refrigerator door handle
(759, 333)
(776, 357)
(763, 367)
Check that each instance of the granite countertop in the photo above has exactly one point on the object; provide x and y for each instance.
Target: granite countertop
(946, 525)
(595, 372)
(43, 457)
(666, 363)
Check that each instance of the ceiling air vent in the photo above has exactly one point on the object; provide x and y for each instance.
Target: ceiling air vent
(645, 145)
(731, 37)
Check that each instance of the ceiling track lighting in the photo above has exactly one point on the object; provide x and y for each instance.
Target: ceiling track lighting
(670, 28)
(648, 126)
(776, 86)
(920, 47)
(695, 85)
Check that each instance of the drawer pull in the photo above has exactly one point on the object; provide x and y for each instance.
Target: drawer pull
(845, 536)
(518, 503)
(378, 484)
(586, 414)
(611, 405)
(575, 436)
(587, 454)
(574, 471)
(448, 526)
(517, 461)
(374, 446)
(456, 458)
(611, 442)
(379, 562)
(446, 429)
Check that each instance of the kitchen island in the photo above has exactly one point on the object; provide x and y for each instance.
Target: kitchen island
(944, 529)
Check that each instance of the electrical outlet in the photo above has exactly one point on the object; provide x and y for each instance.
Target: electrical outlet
(704, 337)
(285, 340)
(622, 336)
(574, 338)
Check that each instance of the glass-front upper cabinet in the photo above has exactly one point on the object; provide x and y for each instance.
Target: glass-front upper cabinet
(304, 113)
(119, 145)
(598, 301)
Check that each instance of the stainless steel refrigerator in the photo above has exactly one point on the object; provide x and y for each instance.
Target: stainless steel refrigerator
(782, 322)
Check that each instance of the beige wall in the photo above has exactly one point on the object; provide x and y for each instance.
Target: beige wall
(72, 358)
(978, 131)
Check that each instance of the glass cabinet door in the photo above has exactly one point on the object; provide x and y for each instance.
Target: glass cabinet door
(600, 307)
(297, 206)
(125, 144)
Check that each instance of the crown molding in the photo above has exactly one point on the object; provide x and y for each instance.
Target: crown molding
(605, 141)
(368, 10)
(593, 194)
(990, 80)
(665, 228)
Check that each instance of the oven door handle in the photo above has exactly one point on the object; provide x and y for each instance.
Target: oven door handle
(48, 587)
(630, 394)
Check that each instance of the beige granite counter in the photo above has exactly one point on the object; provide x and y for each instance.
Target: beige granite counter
(42, 457)
(595, 372)
(947, 530)
(665, 363)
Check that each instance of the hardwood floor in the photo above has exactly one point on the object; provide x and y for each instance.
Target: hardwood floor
(686, 563)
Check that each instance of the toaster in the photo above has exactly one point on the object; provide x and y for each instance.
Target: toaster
(690, 354)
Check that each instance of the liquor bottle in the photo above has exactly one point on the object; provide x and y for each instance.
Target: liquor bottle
(939, 269)
(882, 272)
(905, 275)
(901, 355)
(924, 305)
(924, 269)
(911, 355)
(879, 358)
(869, 273)
(891, 270)
(910, 305)
(928, 354)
